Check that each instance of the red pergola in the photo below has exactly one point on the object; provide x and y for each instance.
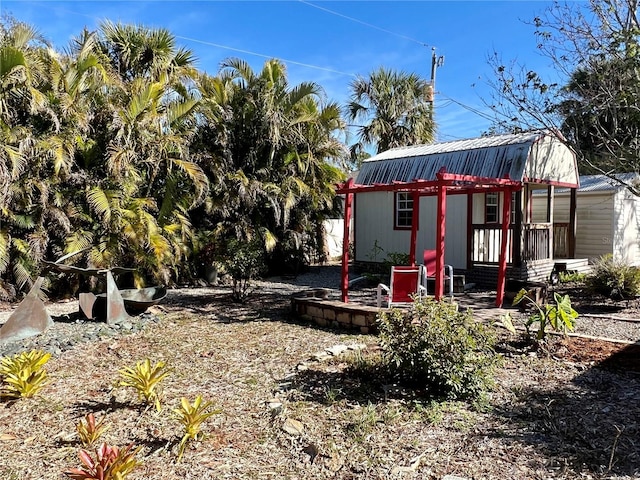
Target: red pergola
(445, 183)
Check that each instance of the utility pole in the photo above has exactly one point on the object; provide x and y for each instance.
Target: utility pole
(435, 63)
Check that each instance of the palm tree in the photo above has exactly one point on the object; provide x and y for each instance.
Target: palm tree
(143, 181)
(392, 109)
(268, 151)
(25, 117)
(140, 52)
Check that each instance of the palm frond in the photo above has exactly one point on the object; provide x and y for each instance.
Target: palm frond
(78, 240)
(22, 271)
(160, 246)
(197, 175)
(99, 201)
(269, 238)
(5, 244)
(12, 64)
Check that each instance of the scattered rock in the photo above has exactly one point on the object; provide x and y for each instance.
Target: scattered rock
(321, 356)
(293, 427)
(275, 407)
(283, 387)
(337, 350)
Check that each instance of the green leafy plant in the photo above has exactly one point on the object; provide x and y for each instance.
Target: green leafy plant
(567, 277)
(559, 315)
(393, 259)
(145, 379)
(89, 430)
(244, 262)
(191, 416)
(614, 278)
(23, 374)
(434, 346)
(110, 463)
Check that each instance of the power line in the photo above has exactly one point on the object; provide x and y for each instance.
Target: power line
(471, 109)
(225, 47)
(248, 52)
(364, 23)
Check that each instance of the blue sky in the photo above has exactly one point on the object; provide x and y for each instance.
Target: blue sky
(340, 39)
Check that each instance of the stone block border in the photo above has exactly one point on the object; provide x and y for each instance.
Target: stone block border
(335, 314)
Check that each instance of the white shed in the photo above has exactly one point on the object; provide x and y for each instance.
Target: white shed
(488, 177)
(608, 218)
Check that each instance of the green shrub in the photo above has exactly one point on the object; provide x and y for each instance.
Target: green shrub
(191, 416)
(569, 276)
(614, 278)
(23, 374)
(245, 262)
(396, 258)
(559, 314)
(434, 346)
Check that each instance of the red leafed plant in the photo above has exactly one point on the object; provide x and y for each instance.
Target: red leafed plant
(111, 463)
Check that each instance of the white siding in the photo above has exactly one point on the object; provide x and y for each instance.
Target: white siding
(595, 220)
(626, 238)
(374, 223)
(455, 253)
(374, 226)
(539, 207)
(478, 208)
(552, 161)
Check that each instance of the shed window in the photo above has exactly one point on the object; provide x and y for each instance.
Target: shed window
(491, 207)
(404, 210)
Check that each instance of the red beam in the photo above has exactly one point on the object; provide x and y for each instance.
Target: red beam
(440, 233)
(455, 182)
(502, 266)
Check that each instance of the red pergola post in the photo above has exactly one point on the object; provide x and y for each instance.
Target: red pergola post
(348, 200)
(502, 266)
(415, 215)
(440, 232)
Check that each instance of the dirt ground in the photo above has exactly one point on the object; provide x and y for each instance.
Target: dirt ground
(290, 410)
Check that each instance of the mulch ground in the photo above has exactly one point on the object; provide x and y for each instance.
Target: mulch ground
(568, 411)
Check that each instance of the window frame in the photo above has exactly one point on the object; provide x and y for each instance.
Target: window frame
(401, 205)
(488, 205)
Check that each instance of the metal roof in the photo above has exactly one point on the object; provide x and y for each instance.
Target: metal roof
(602, 183)
(490, 157)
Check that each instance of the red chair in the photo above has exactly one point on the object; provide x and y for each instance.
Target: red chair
(429, 262)
(406, 283)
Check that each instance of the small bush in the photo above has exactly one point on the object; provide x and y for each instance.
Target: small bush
(614, 279)
(559, 315)
(110, 463)
(436, 347)
(89, 431)
(145, 378)
(244, 262)
(23, 374)
(568, 277)
(191, 416)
